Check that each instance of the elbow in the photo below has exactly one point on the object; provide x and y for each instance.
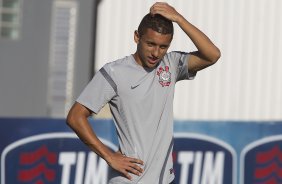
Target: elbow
(218, 54)
(70, 121)
(76, 115)
(215, 56)
(73, 118)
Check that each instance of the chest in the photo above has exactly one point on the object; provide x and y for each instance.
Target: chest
(143, 86)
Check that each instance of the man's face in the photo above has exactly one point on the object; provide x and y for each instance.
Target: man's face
(151, 47)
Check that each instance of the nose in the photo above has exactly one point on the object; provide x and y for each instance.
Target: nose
(156, 52)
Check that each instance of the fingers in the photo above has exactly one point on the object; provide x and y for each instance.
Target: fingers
(154, 9)
(136, 168)
(127, 165)
(135, 160)
(132, 168)
(165, 10)
(126, 174)
(159, 7)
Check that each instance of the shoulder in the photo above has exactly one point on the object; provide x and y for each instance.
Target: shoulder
(119, 71)
(176, 59)
(118, 65)
(175, 55)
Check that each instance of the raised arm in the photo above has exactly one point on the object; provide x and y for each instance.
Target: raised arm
(77, 119)
(207, 53)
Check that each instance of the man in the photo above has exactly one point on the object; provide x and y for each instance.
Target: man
(139, 89)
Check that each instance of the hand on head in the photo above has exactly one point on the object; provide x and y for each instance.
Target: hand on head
(165, 10)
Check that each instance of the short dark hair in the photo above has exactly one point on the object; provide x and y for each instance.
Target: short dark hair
(157, 23)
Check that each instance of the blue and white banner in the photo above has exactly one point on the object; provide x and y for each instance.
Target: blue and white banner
(46, 151)
(203, 159)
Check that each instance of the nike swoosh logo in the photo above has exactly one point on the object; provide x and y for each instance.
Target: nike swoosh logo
(133, 87)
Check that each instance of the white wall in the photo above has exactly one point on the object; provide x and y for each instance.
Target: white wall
(246, 84)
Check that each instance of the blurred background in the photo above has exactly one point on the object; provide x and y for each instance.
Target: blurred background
(50, 50)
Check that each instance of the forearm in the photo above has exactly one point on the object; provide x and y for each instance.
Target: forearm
(204, 45)
(86, 134)
(78, 120)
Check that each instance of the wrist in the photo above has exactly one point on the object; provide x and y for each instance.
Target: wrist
(108, 157)
(180, 19)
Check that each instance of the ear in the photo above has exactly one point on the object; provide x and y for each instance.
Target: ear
(136, 37)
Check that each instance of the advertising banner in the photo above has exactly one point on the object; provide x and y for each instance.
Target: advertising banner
(46, 151)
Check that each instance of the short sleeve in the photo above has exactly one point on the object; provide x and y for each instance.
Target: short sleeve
(180, 60)
(97, 93)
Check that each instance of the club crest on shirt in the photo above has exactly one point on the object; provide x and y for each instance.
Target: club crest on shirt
(164, 76)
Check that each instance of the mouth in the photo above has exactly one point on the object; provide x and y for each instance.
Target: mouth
(153, 60)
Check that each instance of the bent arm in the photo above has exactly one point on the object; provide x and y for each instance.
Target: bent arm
(207, 53)
(77, 119)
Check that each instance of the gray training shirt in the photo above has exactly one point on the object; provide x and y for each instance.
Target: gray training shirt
(141, 102)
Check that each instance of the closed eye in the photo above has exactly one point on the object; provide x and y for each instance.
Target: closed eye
(151, 44)
(164, 46)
